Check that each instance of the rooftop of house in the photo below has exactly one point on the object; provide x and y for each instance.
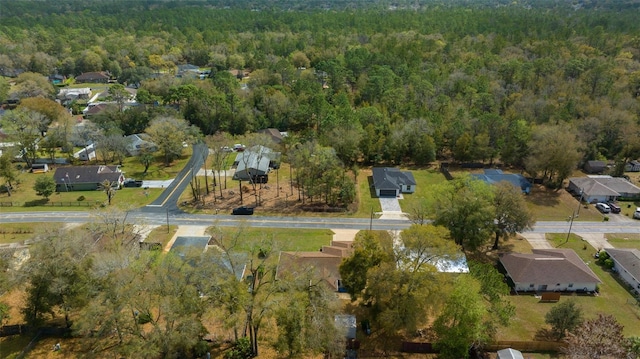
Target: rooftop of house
(604, 185)
(548, 265)
(390, 177)
(628, 258)
(86, 174)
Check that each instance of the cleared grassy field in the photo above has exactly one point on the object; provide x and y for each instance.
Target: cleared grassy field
(285, 239)
(613, 299)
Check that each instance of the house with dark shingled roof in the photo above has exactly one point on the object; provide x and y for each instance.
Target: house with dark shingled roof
(390, 182)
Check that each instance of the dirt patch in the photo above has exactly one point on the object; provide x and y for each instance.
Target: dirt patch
(267, 197)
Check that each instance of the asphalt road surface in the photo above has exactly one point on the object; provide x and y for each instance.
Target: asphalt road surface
(160, 216)
(168, 199)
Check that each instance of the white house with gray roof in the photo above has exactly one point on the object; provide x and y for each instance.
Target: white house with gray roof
(626, 262)
(603, 188)
(390, 182)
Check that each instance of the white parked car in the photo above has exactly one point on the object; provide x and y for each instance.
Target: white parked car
(636, 214)
(603, 207)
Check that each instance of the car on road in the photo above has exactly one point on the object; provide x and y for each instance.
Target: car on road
(614, 208)
(603, 207)
(636, 214)
(242, 211)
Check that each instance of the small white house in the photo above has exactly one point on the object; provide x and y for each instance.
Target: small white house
(87, 153)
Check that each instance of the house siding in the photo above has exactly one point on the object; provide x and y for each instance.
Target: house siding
(633, 282)
(552, 287)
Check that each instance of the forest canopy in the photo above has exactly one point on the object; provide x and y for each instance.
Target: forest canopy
(378, 81)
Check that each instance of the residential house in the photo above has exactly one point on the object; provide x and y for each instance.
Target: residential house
(57, 79)
(494, 176)
(390, 182)
(184, 245)
(275, 135)
(509, 354)
(94, 109)
(86, 178)
(548, 270)
(632, 166)
(255, 163)
(87, 153)
(595, 167)
(93, 77)
(138, 142)
(626, 262)
(325, 263)
(602, 188)
(67, 95)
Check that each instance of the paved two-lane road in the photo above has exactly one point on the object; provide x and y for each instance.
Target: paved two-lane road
(159, 217)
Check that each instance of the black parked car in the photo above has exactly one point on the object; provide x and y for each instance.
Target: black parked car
(132, 183)
(243, 210)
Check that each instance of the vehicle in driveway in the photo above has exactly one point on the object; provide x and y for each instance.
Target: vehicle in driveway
(603, 207)
(132, 183)
(614, 208)
(242, 211)
(636, 214)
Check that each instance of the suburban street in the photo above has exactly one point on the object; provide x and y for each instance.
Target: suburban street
(158, 216)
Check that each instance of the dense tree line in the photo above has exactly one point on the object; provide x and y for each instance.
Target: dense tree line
(469, 83)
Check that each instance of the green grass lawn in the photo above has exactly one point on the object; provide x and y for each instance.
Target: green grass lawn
(132, 167)
(285, 239)
(626, 240)
(426, 179)
(368, 202)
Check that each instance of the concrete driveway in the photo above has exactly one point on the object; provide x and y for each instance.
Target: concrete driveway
(391, 208)
(596, 240)
(157, 184)
(537, 240)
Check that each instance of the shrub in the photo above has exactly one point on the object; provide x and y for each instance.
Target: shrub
(608, 263)
(241, 350)
(80, 199)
